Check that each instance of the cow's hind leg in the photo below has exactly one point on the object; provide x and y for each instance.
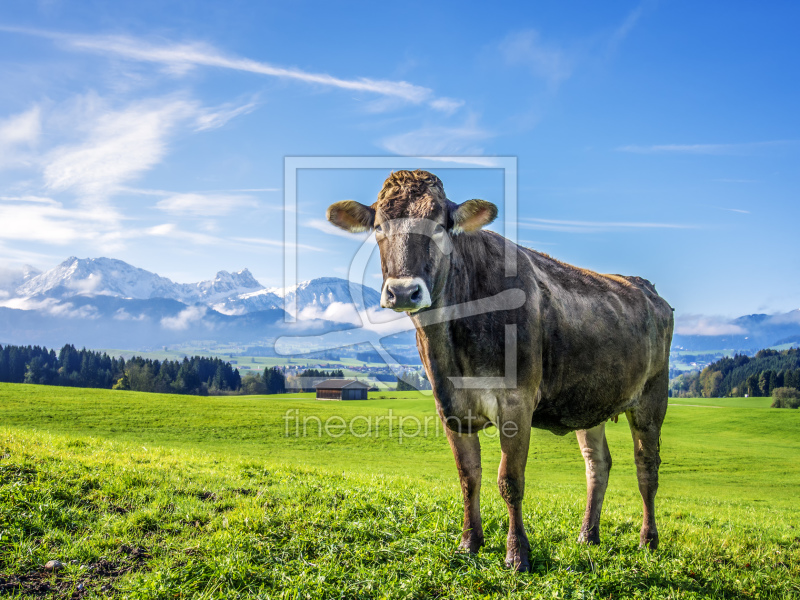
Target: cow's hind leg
(514, 443)
(645, 421)
(467, 452)
(598, 464)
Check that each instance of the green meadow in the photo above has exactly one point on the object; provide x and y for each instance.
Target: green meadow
(165, 496)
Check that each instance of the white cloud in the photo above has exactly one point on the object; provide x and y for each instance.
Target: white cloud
(205, 205)
(121, 145)
(736, 210)
(51, 223)
(53, 307)
(705, 325)
(438, 140)
(545, 61)
(35, 199)
(123, 315)
(447, 105)
(621, 32)
(179, 58)
(19, 134)
(340, 312)
(24, 128)
(275, 243)
(711, 149)
(567, 226)
(327, 227)
(214, 118)
(184, 318)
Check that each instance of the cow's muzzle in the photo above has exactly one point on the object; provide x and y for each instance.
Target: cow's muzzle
(407, 294)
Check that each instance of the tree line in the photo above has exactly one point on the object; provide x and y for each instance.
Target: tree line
(742, 375)
(88, 368)
(412, 381)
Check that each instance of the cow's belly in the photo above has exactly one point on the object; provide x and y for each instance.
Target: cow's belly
(470, 410)
(587, 402)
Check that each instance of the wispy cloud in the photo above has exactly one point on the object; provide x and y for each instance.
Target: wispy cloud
(630, 22)
(118, 144)
(326, 227)
(52, 223)
(34, 199)
(275, 243)
(713, 149)
(205, 205)
(447, 105)
(544, 60)
(568, 226)
(215, 118)
(179, 58)
(121, 144)
(24, 128)
(438, 140)
(19, 134)
(53, 307)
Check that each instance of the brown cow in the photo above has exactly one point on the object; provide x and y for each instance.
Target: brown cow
(588, 347)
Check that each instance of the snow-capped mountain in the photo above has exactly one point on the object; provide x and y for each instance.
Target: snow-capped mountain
(103, 302)
(98, 277)
(224, 285)
(228, 293)
(324, 291)
(316, 294)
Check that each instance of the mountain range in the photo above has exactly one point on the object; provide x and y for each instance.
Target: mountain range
(104, 302)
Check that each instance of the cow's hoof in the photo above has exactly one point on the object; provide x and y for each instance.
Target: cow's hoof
(648, 539)
(591, 536)
(471, 544)
(518, 563)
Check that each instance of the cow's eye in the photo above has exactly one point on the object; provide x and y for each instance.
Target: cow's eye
(378, 229)
(438, 230)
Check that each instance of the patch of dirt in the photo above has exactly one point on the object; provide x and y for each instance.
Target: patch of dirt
(98, 577)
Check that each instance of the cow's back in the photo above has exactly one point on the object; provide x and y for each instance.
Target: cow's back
(603, 337)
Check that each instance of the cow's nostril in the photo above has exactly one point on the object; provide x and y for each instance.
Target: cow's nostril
(389, 294)
(416, 295)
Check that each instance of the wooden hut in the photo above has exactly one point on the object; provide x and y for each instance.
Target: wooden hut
(341, 389)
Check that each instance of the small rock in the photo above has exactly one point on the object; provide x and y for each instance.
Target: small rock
(106, 588)
(53, 565)
(80, 587)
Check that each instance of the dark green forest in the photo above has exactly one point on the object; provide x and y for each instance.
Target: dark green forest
(741, 375)
(87, 368)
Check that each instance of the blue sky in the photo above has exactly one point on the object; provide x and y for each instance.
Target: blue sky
(653, 138)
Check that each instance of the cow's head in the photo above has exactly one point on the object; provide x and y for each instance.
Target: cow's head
(413, 222)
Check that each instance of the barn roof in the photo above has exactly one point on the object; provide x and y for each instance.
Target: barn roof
(338, 384)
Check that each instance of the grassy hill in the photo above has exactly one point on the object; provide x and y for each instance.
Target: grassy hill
(175, 496)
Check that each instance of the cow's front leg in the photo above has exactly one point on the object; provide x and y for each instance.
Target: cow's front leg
(467, 452)
(515, 436)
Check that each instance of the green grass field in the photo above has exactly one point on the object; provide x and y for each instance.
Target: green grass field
(156, 496)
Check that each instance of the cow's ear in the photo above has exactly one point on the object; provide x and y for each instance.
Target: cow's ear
(351, 216)
(472, 215)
